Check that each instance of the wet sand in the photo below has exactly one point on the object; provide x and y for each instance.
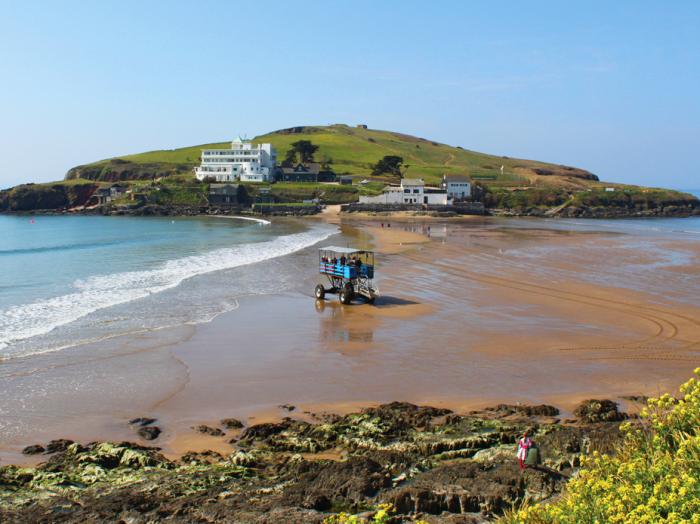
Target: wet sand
(471, 313)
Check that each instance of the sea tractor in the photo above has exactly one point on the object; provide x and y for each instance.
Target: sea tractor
(349, 272)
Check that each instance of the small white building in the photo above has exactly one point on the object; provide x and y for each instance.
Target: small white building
(411, 191)
(457, 186)
(244, 162)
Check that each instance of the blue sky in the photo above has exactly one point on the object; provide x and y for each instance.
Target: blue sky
(613, 87)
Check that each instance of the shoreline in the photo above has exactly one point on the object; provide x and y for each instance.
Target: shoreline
(418, 459)
(592, 213)
(358, 340)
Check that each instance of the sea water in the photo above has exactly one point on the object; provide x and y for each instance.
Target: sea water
(68, 280)
(649, 254)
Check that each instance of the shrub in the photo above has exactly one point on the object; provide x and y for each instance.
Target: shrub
(653, 477)
(381, 515)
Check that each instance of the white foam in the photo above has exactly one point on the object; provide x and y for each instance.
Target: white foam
(99, 292)
(259, 220)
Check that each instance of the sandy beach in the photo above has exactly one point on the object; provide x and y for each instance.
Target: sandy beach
(471, 313)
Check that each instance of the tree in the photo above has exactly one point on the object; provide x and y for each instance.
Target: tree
(304, 149)
(390, 164)
(290, 158)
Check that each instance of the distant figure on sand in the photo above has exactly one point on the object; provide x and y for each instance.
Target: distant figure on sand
(524, 444)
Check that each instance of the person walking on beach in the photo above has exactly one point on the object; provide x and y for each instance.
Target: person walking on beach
(524, 444)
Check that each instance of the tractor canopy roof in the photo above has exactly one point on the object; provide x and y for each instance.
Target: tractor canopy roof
(343, 250)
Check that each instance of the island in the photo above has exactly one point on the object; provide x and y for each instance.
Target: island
(342, 165)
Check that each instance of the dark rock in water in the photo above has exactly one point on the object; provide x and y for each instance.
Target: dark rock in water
(231, 423)
(149, 432)
(142, 421)
(33, 450)
(639, 399)
(208, 430)
(594, 410)
(56, 446)
(288, 407)
(265, 430)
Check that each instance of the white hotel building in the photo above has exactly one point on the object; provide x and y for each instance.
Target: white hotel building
(411, 191)
(244, 162)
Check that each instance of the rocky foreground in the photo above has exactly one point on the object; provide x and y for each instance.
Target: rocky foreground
(430, 464)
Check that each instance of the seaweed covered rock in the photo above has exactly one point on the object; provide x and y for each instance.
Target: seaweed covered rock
(34, 449)
(424, 460)
(543, 410)
(142, 421)
(262, 432)
(399, 417)
(58, 445)
(319, 485)
(201, 457)
(208, 430)
(149, 432)
(231, 423)
(471, 487)
(108, 455)
(594, 410)
(287, 435)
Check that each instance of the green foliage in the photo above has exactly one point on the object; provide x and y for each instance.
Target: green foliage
(653, 477)
(371, 188)
(179, 192)
(55, 195)
(630, 197)
(359, 152)
(381, 515)
(495, 197)
(327, 193)
(302, 149)
(388, 165)
(354, 151)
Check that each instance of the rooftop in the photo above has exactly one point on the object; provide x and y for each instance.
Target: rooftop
(344, 250)
(313, 168)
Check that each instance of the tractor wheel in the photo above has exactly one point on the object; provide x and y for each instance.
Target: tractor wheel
(320, 292)
(345, 296)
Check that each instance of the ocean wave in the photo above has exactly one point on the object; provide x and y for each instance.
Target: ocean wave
(250, 219)
(103, 291)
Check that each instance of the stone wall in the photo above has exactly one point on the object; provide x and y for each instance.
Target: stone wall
(262, 209)
(462, 208)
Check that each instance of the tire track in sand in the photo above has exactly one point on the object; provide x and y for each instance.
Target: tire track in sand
(666, 330)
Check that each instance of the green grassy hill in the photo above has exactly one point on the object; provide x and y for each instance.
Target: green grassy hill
(353, 151)
(521, 187)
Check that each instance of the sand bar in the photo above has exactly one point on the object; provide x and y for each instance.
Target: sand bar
(471, 313)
